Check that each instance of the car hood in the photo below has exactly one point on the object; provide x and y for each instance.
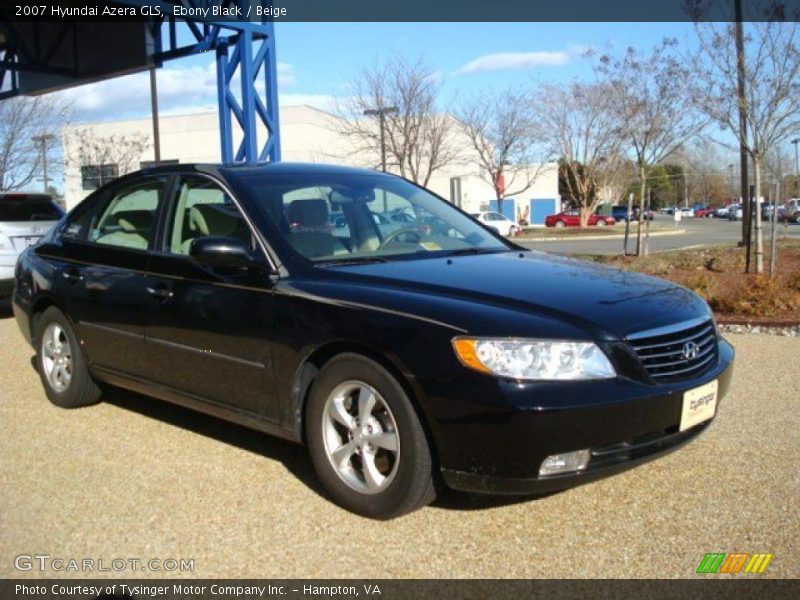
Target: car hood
(608, 302)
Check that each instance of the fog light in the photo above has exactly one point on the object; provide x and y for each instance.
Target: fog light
(565, 463)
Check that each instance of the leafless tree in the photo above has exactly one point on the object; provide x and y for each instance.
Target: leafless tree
(418, 138)
(771, 94)
(502, 130)
(650, 92)
(778, 167)
(21, 120)
(581, 127)
(705, 171)
(84, 146)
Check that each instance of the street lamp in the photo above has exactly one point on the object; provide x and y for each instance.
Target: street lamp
(41, 141)
(381, 114)
(796, 141)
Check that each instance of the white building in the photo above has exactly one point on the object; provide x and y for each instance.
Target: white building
(307, 135)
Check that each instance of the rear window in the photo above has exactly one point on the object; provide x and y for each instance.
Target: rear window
(24, 210)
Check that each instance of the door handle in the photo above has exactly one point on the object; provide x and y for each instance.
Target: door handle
(160, 292)
(71, 275)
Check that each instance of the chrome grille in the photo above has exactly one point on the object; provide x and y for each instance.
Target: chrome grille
(663, 351)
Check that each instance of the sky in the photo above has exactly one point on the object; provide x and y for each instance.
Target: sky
(317, 62)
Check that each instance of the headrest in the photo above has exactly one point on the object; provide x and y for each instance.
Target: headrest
(133, 221)
(210, 219)
(308, 213)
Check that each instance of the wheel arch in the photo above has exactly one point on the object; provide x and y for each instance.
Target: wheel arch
(306, 374)
(39, 306)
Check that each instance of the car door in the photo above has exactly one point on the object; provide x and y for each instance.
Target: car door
(101, 273)
(208, 329)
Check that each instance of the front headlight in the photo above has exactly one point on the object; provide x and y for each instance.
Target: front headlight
(541, 360)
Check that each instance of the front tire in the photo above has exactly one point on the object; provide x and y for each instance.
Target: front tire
(601, 223)
(366, 441)
(60, 363)
(560, 224)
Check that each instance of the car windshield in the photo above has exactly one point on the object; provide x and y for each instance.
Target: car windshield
(376, 217)
(23, 210)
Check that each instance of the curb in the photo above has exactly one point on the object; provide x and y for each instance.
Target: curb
(783, 330)
(620, 236)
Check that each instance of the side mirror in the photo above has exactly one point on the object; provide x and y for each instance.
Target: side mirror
(219, 251)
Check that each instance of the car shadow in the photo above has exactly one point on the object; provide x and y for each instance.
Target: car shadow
(294, 457)
(463, 501)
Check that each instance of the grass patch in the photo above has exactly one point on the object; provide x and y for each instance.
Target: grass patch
(717, 274)
(569, 232)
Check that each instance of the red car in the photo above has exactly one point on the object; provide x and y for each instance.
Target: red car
(572, 218)
(705, 212)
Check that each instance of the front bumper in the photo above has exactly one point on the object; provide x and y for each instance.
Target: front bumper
(499, 447)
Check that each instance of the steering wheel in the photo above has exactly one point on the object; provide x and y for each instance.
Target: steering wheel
(397, 233)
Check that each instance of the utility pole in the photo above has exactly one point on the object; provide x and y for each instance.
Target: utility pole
(381, 114)
(773, 241)
(685, 188)
(730, 174)
(628, 224)
(646, 244)
(154, 109)
(41, 141)
(742, 98)
(796, 141)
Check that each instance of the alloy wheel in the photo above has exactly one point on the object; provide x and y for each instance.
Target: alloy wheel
(57, 357)
(361, 438)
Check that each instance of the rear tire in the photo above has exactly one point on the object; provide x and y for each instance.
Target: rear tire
(366, 441)
(60, 363)
(601, 223)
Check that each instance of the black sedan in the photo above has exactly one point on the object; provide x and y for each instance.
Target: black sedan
(404, 358)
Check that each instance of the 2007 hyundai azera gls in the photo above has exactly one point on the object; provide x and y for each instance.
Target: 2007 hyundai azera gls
(406, 344)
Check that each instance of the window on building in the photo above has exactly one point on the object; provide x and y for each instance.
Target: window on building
(94, 176)
(146, 164)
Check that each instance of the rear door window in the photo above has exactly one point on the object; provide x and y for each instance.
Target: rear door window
(129, 219)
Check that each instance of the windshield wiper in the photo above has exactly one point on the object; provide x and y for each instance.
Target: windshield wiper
(472, 251)
(357, 260)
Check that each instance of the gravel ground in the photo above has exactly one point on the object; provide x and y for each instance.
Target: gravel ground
(133, 477)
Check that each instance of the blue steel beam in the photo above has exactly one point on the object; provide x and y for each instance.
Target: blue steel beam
(249, 111)
(234, 56)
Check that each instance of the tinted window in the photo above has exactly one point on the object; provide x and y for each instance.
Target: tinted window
(204, 209)
(129, 218)
(24, 209)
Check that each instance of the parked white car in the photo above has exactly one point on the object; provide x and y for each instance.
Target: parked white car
(735, 212)
(687, 212)
(722, 212)
(501, 224)
(24, 219)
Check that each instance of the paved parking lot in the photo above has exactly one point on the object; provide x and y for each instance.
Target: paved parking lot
(697, 232)
(133, 477)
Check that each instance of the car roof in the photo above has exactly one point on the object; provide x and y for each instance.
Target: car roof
(274, 168)
(23, 196)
